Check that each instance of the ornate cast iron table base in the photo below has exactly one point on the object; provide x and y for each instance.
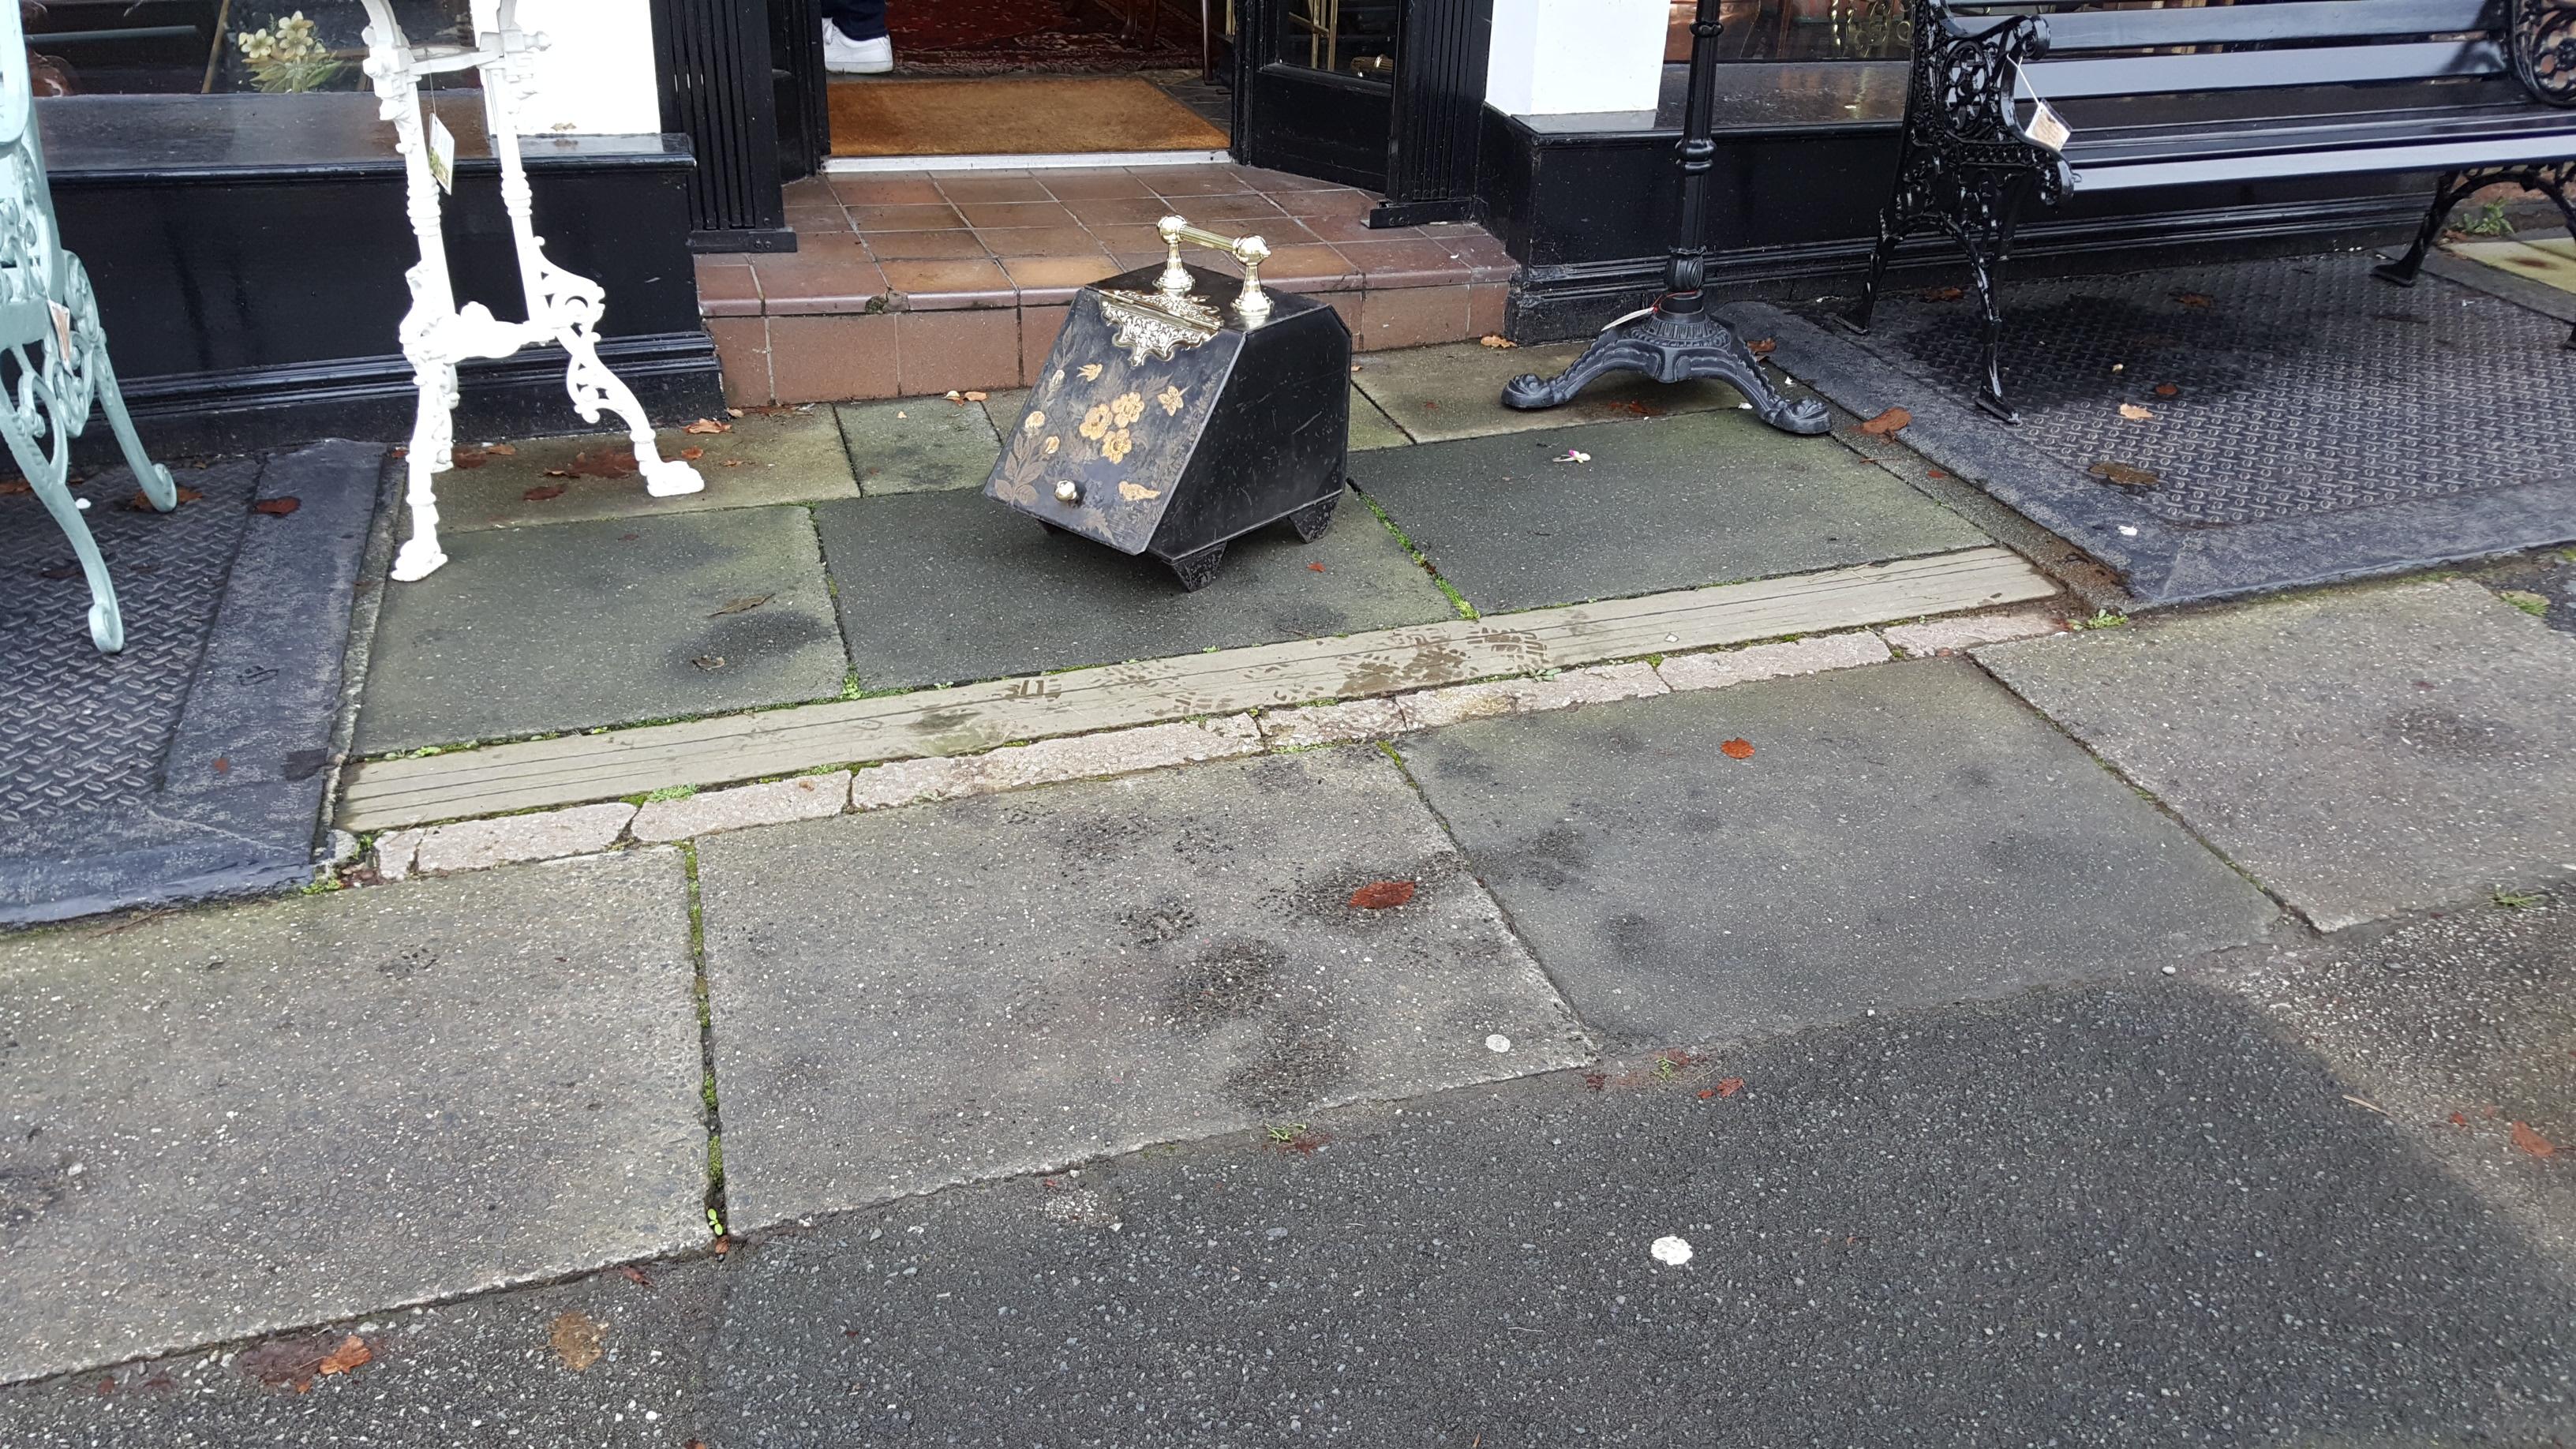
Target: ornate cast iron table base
(1671, 348)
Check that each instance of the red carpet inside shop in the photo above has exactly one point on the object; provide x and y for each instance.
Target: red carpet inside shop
(990, 37)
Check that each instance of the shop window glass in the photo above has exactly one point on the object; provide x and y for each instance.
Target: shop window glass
(1346, 37)
(1775, 30)
(206, 47)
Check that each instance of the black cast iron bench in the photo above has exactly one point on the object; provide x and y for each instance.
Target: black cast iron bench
(2474, 91)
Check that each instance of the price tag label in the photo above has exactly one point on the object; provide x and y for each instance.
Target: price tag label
(442, 155)
(2047, 128)
(62, 328)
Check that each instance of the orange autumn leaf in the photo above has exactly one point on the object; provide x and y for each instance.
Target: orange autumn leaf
(1762, 346)
(2532, 1142)
(1730, 1086)
(542, 492)
(351, 1353)
(1942, 294)
(2193, 299)
(707, 426)
(1383, 895)
(1887, 422)
(277, 507)
(465, 457)
(1319, 568)
(693, 454)
(1707, 1092)
(1737, 749)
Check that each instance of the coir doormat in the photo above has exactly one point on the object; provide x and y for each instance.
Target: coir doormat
(1012, 116)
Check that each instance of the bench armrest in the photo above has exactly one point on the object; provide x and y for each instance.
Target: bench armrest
(1959, 97)
(2541, 36)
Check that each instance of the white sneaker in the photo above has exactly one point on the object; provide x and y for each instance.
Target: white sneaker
(856, 57)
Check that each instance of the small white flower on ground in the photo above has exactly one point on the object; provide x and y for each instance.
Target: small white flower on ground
(1670, 1251)
(1498, 1043)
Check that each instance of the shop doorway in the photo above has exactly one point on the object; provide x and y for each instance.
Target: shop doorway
(1077, 81)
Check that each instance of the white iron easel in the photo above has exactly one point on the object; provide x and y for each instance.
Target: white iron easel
(563, 308)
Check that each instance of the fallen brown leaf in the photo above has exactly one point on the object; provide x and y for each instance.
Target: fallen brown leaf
(2135, 413)
(2459, 1121)
(2166, 389)
(1737, 749)
(1496, 341)
(464, 457)
(1319, 568)
(575, 1338)
(288, 1363)
(1887, 422)
(502, 450)
(277, 507)
(742, 605)
(1730, 1086)
(2532, 1142)
(2124, 474)
(2193, 299)
(973, 396)
(733, 462)
(352, 1353)
(223, 764)
(614, 463)
(14, 487)
(1383, 895)
(635, 1275)
(692, 453)
(1934, 473)
(544, 491)
(707, 425)
(1942, 294)
(721, 1246)
(1762, 346)
(1707, 1092)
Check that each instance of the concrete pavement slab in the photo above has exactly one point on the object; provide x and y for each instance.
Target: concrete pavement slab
(1456, 391)
(609, 622)
(1671, 504)
(2132, 1217)
(791, 457)
(1901, 835)
(2361, 752)
(933, 995)
(1371, 428)
(226, 1123)
(918, 444)
(942, 588)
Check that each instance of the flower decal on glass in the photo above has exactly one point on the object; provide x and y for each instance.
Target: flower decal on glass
(1095, 423)
(1127, 408)
(1170, 398)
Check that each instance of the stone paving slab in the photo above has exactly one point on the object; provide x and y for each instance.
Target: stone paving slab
(2361, 752)
(790, 457)
(1902, 835)
(1440, 393)
(918, 444)
(1664, 505)
(232, 1122)
(2550, 262)
(940, 588)
(607, 622)
(988, 987)
(1370, 428)
(2130, 1217)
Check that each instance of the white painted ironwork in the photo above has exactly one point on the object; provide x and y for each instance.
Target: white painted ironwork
(563, 308)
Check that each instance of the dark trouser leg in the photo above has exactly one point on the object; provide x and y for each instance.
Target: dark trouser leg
(858, 19)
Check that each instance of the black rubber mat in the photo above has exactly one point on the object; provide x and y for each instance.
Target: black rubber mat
(2304, 421)
(194, 762)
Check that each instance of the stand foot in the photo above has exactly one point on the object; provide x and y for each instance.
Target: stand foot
(1312, 520)
(1194, 570)
(668, 478)
(418, 560)
(1671, 348)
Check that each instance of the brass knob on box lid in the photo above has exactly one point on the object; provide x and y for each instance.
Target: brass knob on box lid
(1067, 491)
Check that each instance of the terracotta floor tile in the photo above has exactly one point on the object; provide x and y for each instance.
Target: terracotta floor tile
(726, 288)
(953, 283)
(1123, 239)
(1189, 180)
(1260, 179)
(1045, 280)
(1119, 210)
(922, 246)
(1413, 317)
(1040, 241)
(983, 214)
(1313, 267)
(833, 359)
(830, 216)
(1038, 329)
(1406, 262)
(1489, 309)
(826, 273)
(983, 186)
(953, 175)
(1233, 207)
(944, 350)
(906, 217)
(742, 350)
(811, 191)
(1337, 227)
(1089, 185)
(1338, 201)
(893, 188)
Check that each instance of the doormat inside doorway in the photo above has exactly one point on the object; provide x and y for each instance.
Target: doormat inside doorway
(1012, 116)
(991, 37)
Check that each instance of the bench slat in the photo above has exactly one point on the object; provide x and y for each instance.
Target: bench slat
(2245, 24)
(2380, 160)
(2109, 146)
(2264, 69)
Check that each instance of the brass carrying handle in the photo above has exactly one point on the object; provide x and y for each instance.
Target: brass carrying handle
(1251, 304)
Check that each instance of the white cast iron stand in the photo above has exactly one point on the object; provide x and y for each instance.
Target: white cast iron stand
(437, 334)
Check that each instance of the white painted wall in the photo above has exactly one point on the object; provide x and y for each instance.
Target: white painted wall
(1561, 57)
(595, 77)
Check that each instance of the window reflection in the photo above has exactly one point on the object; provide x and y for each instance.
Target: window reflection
(1757, 30)
(203, 47)
(1347, 37)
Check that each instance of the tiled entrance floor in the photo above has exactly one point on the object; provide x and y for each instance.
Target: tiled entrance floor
(919, 282)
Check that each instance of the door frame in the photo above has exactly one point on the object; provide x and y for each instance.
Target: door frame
(1413, 138)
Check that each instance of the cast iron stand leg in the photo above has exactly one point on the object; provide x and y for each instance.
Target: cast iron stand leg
(2447, 193)
(1681, 338)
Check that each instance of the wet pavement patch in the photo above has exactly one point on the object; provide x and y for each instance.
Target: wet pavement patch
(951, 992)
(1669, 504)
(789, 457)
(277, 1115)
(2362, 751)
(918, 444)
(941, 588)
(606, 622)
(1906, 835)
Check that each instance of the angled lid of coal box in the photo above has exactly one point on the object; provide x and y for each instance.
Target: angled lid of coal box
(1122, 402)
